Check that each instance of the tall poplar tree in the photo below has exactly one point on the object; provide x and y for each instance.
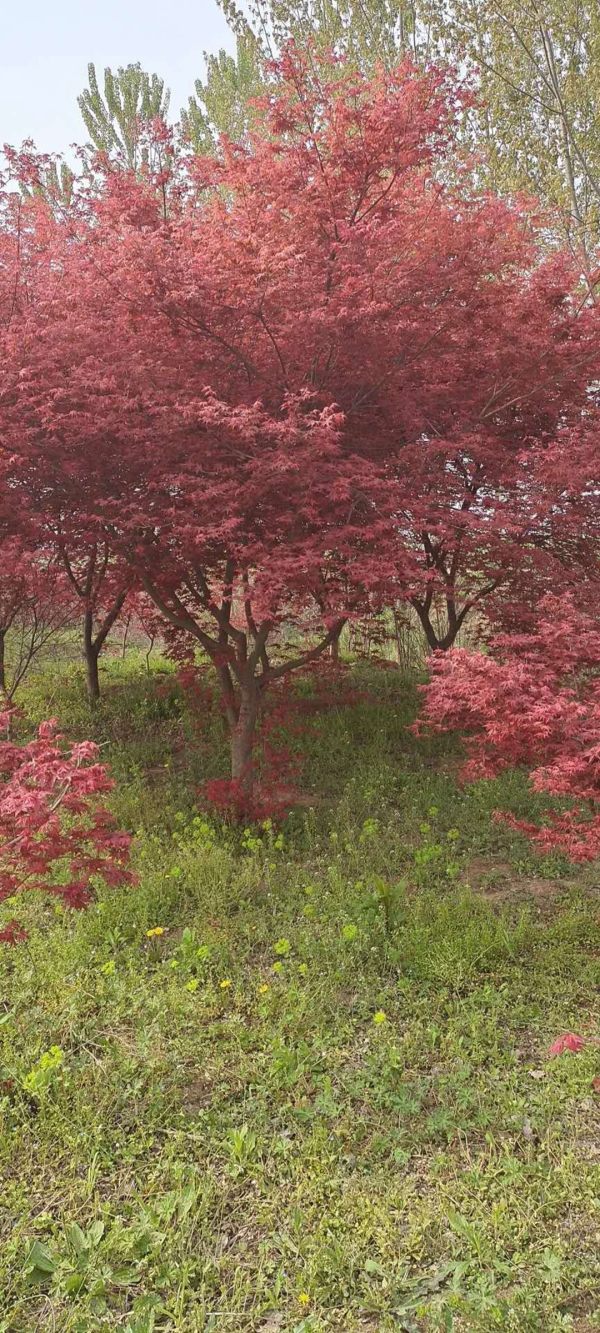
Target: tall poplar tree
(222, 102)
(118, 120)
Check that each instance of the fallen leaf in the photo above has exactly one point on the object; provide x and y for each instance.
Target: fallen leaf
(570, 1041)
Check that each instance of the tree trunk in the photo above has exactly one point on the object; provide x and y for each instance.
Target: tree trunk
(334, 647)
(243, 734)
(91, 653)
(454, 622)
(428, 629)
(125, 637)
(92, 676)
(2, 665)
(148, 654)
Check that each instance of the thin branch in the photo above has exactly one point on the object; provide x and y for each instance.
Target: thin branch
(311, 655)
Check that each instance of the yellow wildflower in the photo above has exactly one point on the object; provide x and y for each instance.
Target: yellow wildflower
(262, 990)
(156, 930)
(304, 1298)
(225, 983)
(379, 1017)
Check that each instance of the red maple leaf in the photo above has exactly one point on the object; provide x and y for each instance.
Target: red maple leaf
(569, 1041)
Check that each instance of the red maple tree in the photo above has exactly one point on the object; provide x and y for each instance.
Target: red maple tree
(298, 379)
(345, 265)
(56, 833)
(53, 498)
(234, 519)
(34, 607)
(533, 700)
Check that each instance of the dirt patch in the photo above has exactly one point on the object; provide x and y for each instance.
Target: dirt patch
(202, 1090)
(496, 881)
(197, 1095)
(584, 1314)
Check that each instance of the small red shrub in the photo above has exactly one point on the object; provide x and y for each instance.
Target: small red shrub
(56, 834)
(534, 701)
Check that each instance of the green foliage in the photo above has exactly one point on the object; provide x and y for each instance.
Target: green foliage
(301, 1077)
(45, 1072)
(538, 66)
(55, 184)
(369, 31)
(222, 103)
(117, 121)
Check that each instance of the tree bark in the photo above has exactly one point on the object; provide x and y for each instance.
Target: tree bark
(334, 647)
(454, 624)
(2, 664)
(91, 653)
(92, 647)
(125, 637)
(242, 739)
(430, 634)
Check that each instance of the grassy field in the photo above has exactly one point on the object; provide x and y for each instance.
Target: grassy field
(321, 1099)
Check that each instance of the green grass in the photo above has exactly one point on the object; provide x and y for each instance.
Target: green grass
(362, 1129)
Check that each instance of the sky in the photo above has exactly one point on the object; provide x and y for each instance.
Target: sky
(46, 46)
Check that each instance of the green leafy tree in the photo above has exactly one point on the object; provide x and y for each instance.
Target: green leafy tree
(539, 69)
(54, 183)
(117, 122)
(222, 103)
(369, 31)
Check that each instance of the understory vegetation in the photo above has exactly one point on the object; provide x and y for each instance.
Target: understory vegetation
(298, 1077)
